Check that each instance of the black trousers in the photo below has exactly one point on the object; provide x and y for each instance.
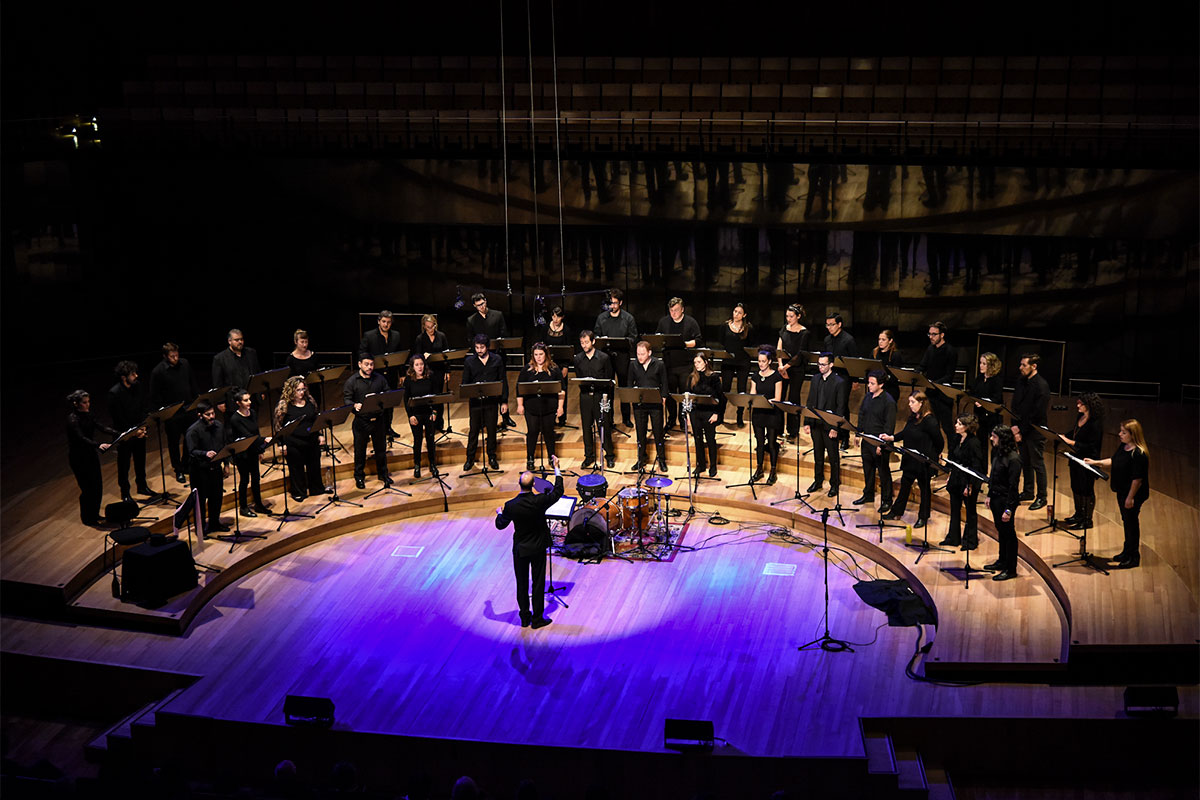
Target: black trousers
(1032, 450)
(134, 449)
(374, 431)
(729, 371)
(823, 444)
(704, 435)
(590, 416)
(1083, 483)
(677, 378)
(792, 392)
(872, 462)
(86, 467)
(943, 411)
(176, 428)
(1132, 524)
(304, 467)
(653, 416)
(482, 416)
(210, 482)
(956, 532)
(767, 426)
(426, 429)
(530, 569)
(248, 476)
(1006, 534)
(620, 364)
(539, 424)
(920, 474)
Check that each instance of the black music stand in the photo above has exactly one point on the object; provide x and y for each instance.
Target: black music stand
(749, 402)
(686, 401)
(970, 474)
(382, 401)
(160, 418)
(328, 420)
(213, 397)
(640, 395)
(541, 389)
(1085, 558)
(606, 387)
(322, 376)
(563, 355)
(880, 523)
(622, 346)
(264, 383)
(794, 408)
(715, 356)
(288, 515)
(1053, 524)
(478, 391)
(825, 641)
(856, 369)
(429, 401)
(234, 448)
(383, 363)
(834, 422)
(446, 356)
(932, 464)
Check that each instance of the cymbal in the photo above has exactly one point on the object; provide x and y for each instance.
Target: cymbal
(659, 482)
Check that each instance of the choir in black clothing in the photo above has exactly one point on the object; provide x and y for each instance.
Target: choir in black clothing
(540, 411)
(792, 349)
(484, 366)
(703, 418)
(243, 422)
(735, 335)
(592, 363)
(1130, 482)
(204, 439)
(367, 426)
(829, 392)
(963, 491)
(1085, 439)
(1003, 480)
(938, 365)
(1030, 401)
(83, 454)
(676, 359)
(617, 323)
(127, 407)
(172, 381)
(302, 448)
(876, 416)
(647, 372)
(766, 422)
(423, 420)
(920, 433)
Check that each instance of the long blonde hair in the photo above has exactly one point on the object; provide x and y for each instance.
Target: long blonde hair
(287, 397)
(1136, 435)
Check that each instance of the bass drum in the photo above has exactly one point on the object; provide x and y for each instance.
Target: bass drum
(587, 526)
(631, 510)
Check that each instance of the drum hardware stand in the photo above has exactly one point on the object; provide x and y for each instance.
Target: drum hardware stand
(792, 408)
(825, 641)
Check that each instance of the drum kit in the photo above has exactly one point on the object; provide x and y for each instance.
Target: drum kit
(635, 518)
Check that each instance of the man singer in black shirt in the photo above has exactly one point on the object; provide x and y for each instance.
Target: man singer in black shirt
(876, 415)
(828, 393)
(126, 405)
(616, 322)
(591, 363)
(938, 365)
(1031, 400)
(677, 360)
(531, 537)
(381, 341)
(204, 440)
(490, 323)
(367, 426)
(648, 373)
(172, 381)
(234, 365)
(484, 367)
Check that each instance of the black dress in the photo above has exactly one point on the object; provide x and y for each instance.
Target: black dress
(301, 366)
(540, 411)
(247, 461)
(793, 344)
(303, 452)
(968, 452)
(739, 366)
(767, 422)
(988, 389)
(428, 418)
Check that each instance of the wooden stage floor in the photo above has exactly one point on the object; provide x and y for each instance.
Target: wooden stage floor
(430, 645)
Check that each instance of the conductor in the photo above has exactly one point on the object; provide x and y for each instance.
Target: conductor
(531, 537)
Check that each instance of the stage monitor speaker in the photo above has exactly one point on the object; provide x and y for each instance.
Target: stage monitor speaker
(688, 734)
(315, 712)
(151, 573)
(1151, 701)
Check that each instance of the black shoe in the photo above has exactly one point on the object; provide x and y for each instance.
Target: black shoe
(740, 424)
(816, 486)
(261, 508)
(146, 490)
(417, 471)
(386, 480)
(844, 447)
(360, 483)
(1036, 504)
(1025, 497)
(433, 470)
(772, 478)
(637, 467)
(894, 515)
(300, 498)
(588, 463)
(1131, 561)
(920, 523)
(493, 464)
(662, 465)
(712, 471)
(995, 566)
(1071, 519)
(1004, 576)
(529, 465)
(180, 477)
(862, 500)
(791, 438)
(968, 545)
(1121, 556)
(886, 507)
(833, 491)
(468, 466)
(948, 542)
(611, 462)
(698, 471)
(326, 490)
(627, 423)
(540, 622)
(526, 619)
(1080, 525)
(126, 498)
(246, 512)
(220, 527)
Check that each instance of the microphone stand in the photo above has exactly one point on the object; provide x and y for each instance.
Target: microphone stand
(825, 641)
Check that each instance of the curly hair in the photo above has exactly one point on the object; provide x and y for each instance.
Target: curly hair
(287, 397)
(1007, 442)
(1094, 405)
(993, 364)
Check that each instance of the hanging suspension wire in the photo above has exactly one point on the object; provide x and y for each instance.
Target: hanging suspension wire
(562, 247)
(504, 154)
(533, 170)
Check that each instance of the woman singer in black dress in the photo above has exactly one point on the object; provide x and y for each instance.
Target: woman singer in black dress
(962, 490)
(301, 360)
(429, 341)
(792, 345)
(540, 410)
(1003, 500)
(921, 433)
(243, 422)
(1085, 438)
(988, 386)
(83, 453)
(1130, 482)
(888, 355)
(703, 419)
(734, 337)
(301, 449)
(767, 422)
(557, 333)
(424, 420)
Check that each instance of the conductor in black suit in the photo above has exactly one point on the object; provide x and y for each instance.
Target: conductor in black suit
(531, 537)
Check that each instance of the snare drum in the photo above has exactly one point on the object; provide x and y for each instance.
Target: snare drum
(632, 509)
